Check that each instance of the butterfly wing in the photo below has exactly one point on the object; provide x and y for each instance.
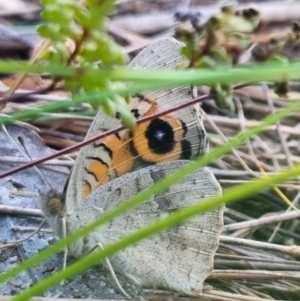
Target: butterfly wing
(176, 136)
(179, 258)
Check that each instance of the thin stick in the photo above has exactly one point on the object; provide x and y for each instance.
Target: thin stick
(17, 242)
(262, 221)
(30, 229)
(14, 210)
(9, 159)
(253, 275)
(225, 140)
(291, 250)
(218, 295)
(7, 298)
(235, 123)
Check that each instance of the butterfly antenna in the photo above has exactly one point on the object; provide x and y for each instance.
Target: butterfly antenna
(25, 152)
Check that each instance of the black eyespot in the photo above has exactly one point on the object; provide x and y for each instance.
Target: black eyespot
(160, 136)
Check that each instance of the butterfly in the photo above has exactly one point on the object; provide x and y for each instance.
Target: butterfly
(114, 169)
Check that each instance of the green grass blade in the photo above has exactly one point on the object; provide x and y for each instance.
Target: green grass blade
(272, 71)
(213, 155)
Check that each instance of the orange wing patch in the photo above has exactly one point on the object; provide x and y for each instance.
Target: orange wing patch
(115, 161)
(156, 141)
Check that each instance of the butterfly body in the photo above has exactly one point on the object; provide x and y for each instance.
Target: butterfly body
(113, 170)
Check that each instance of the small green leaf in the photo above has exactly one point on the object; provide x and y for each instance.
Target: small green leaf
(82, 17)
(71, 31)
(205, 62)
(51, 31)
(109, 107)
(127, 119)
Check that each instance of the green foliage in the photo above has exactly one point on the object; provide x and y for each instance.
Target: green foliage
(79, 38)
(219, 42)
(278, 49)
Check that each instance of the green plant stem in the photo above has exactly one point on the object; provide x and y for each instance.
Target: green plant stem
(252, 73)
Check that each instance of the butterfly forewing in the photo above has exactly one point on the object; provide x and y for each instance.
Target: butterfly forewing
(172, 137)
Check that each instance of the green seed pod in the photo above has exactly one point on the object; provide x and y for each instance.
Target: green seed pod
(109, 107)
(127, 118)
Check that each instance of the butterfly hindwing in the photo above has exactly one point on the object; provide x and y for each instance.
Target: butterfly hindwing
(179, 258)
